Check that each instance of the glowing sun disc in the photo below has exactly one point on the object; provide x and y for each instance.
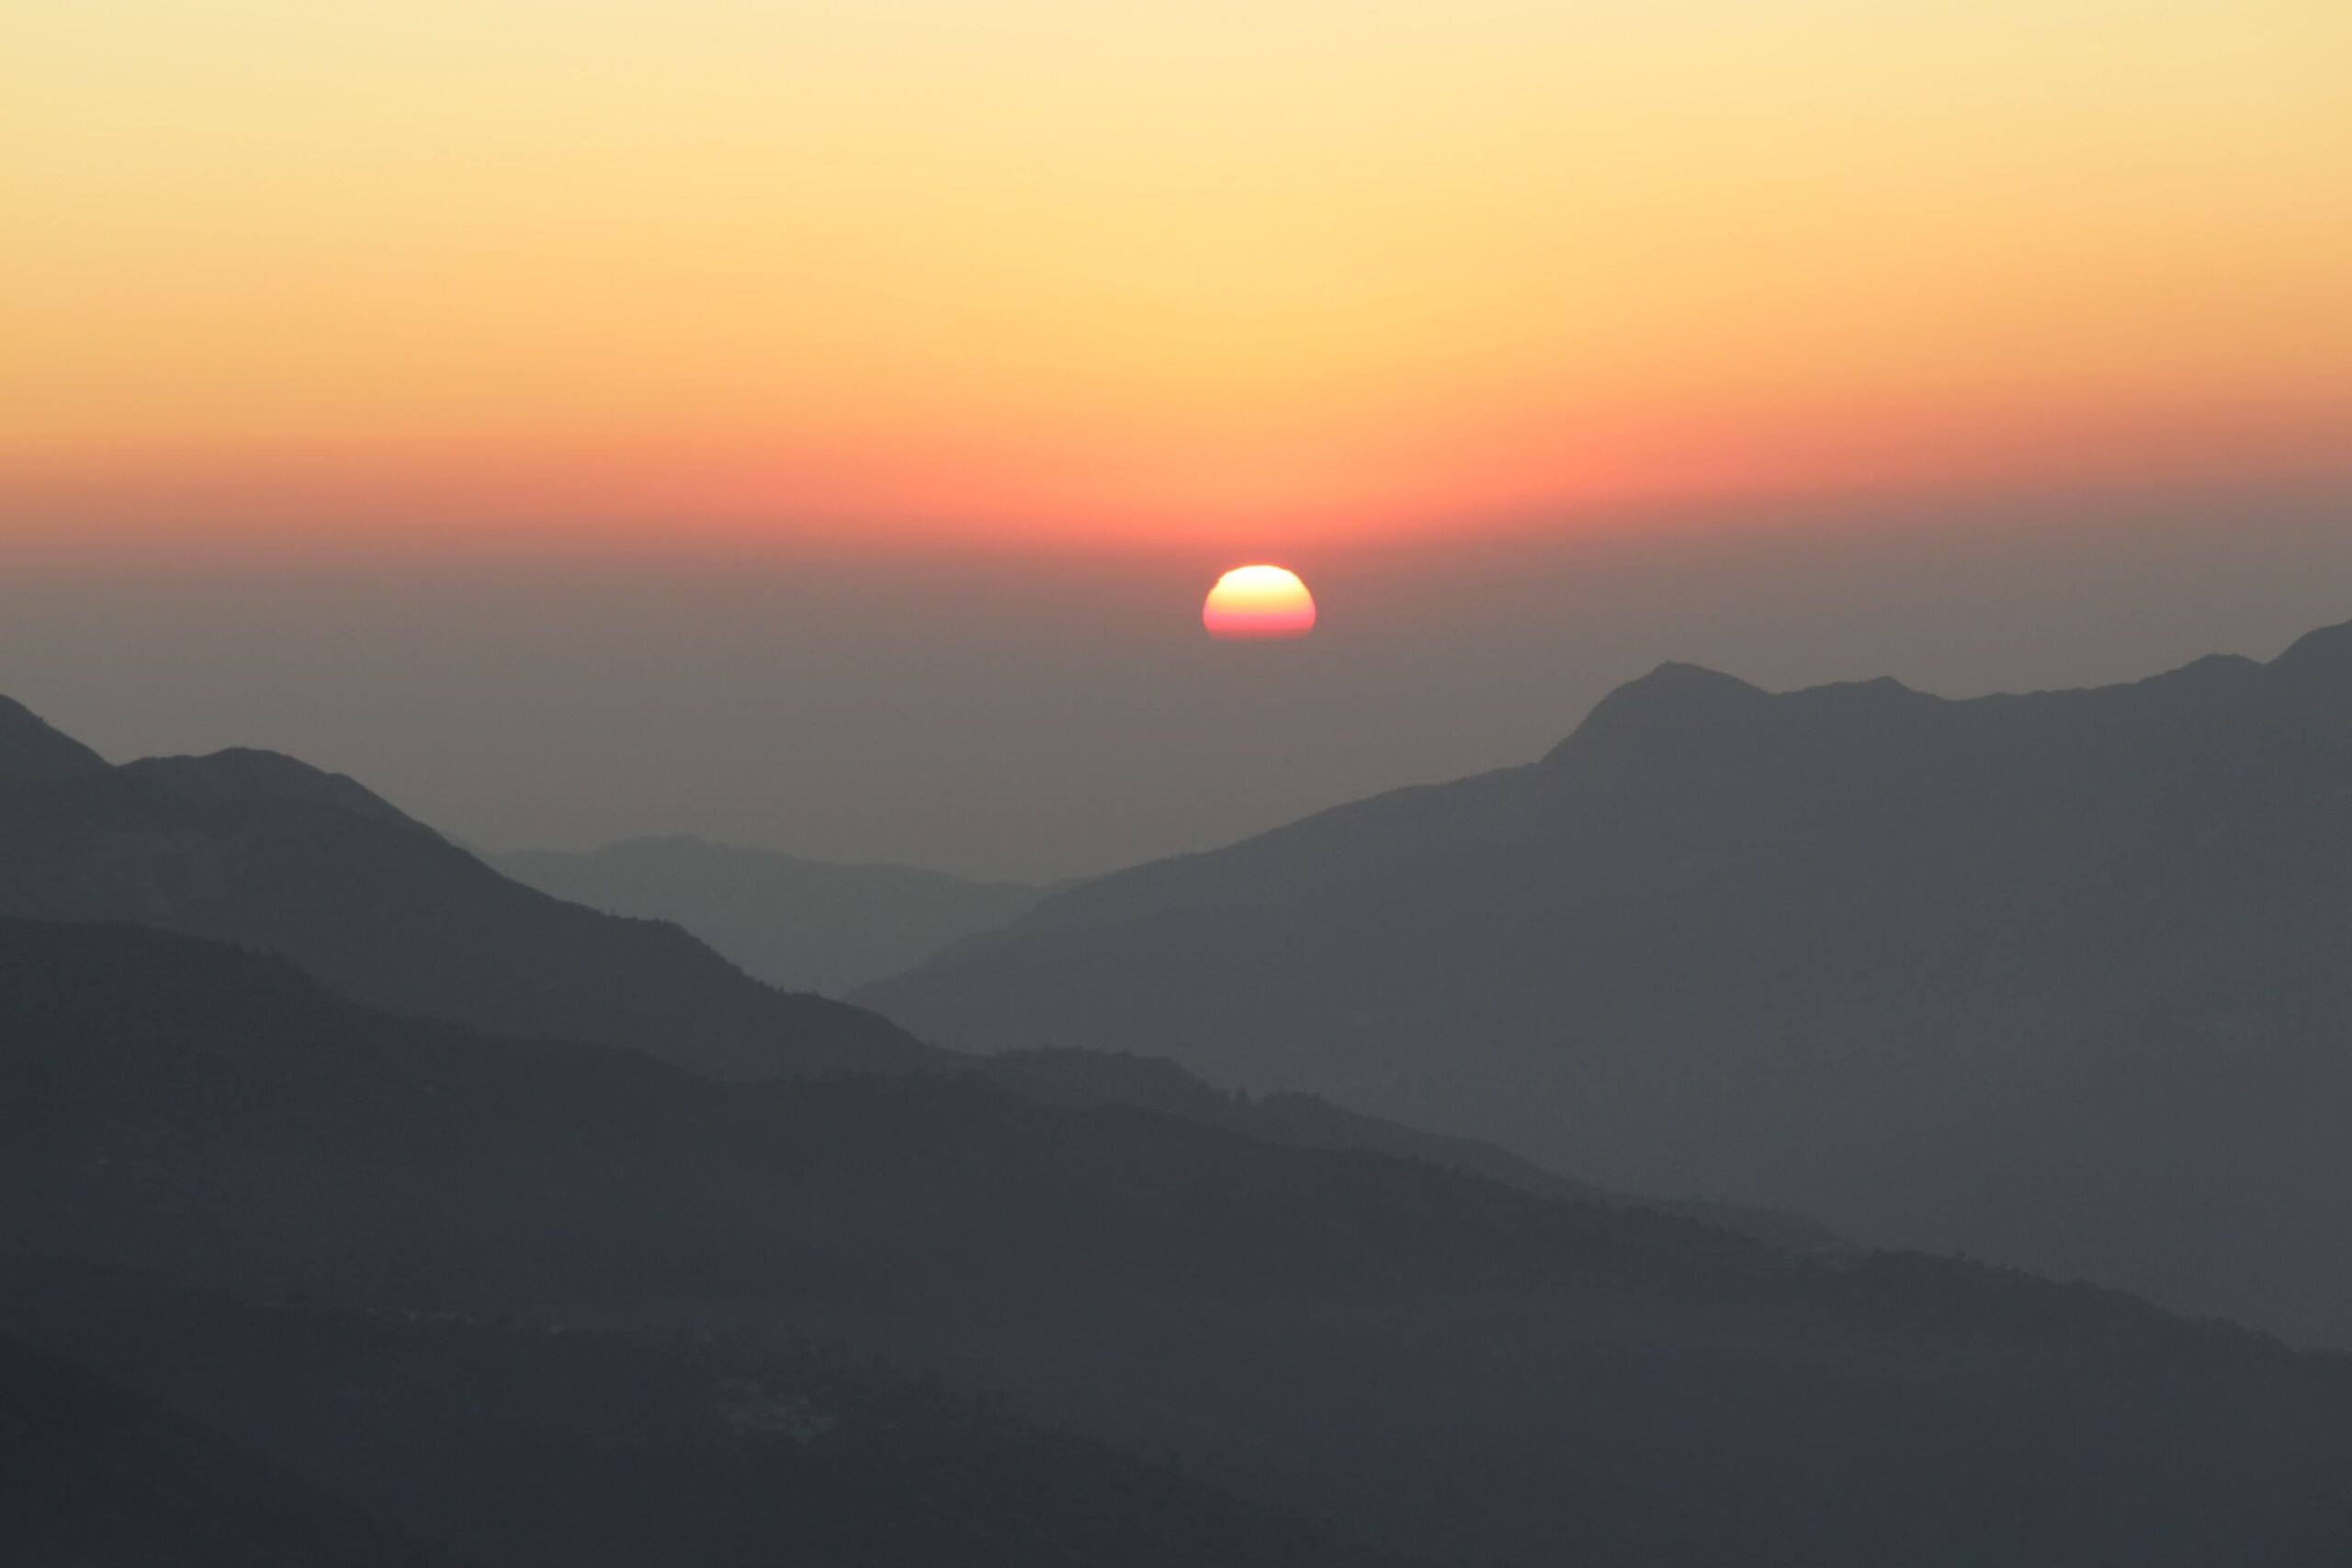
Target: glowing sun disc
(1259, 602)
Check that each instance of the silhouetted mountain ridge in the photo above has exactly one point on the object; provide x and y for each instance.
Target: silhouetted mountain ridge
(1433, 1362)
(1081, 1078)
(242, 774)
(2326, 648)
(31, 749)
(272, 853)
(1671, 702)
(529, 1445)
(263, 850)
(1838, 950)
(93, 1477)
(801, 924)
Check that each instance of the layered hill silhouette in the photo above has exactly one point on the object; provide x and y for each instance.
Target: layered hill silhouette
(265, 851)
(269, 851)
(1435, 1363)
(805, 925)
(827, 927)
(29, 748)
(1068, 1076)
(2057, 978)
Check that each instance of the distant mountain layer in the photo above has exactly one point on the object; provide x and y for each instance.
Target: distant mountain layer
(272, 853)
(92, 1477)
(802, 924)
(260, 849)
(1100, 1079)
(2058, 978)
(827, 927)
(1432, 1362)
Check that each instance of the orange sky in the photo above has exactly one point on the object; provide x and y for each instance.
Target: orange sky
(1209, 273)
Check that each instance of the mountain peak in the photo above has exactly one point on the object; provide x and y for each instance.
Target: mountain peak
(31, 748)
(2328, 649)
(1672, 700)
(243, 773)
(1676, 691)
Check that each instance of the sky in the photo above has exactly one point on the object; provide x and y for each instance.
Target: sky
(817, 424)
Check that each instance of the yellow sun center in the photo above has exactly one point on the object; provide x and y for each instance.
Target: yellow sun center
(1259, 602)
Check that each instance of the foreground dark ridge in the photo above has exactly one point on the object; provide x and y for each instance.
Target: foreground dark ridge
(2057, 978)
(521, 1445)
(1438, 1364)
(94, 1477)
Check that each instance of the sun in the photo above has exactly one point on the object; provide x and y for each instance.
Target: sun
(1259, 602)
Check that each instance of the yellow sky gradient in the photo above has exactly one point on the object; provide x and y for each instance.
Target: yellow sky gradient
(1148, 270)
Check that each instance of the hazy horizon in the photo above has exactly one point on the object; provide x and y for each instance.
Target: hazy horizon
(817, 427)
(1813, 1121)
(1036, 716)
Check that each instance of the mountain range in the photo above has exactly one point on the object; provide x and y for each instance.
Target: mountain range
(360, 1205)
(803, 925)
(537, 1445)
(1428, 1362)
(262, 849)
(2057, 978)
(274, 854)
(94, 1477)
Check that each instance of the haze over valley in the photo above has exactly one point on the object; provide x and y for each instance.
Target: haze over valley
(1352, 783)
